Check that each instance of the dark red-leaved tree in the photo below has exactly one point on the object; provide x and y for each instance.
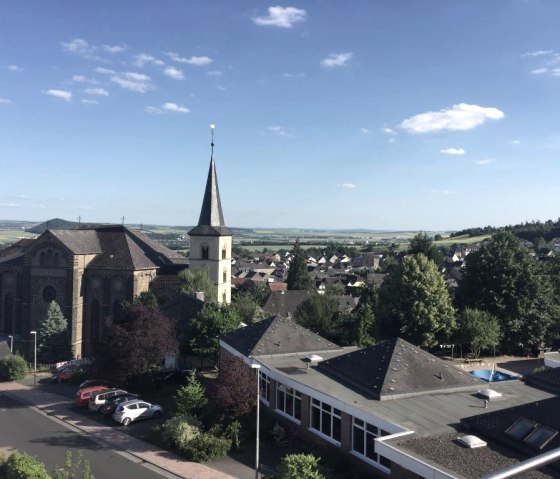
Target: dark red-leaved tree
(140, 341)
(234, 393)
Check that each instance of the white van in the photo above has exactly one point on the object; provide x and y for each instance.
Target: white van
(97, 399)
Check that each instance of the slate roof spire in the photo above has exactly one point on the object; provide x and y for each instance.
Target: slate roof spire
(211, 220)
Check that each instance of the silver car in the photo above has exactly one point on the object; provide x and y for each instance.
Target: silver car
(135, 410)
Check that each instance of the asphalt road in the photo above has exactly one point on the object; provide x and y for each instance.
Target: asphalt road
(28, 430)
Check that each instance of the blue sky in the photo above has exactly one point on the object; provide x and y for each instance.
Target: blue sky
(378, 114)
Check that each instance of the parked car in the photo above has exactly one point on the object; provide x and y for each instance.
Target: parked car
(94, 382)
(81, 398)
(135, 410)
(64, 373)
(111, 405)
(98, 399)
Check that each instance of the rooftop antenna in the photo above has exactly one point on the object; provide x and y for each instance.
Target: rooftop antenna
(122, 219)
(79, 220)
(212, 126)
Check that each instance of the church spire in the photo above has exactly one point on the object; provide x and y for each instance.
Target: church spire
(211, 215)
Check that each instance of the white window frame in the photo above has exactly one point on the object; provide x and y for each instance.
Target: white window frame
(380, 432)
(296, 396)
(319, 406)
(265, 388)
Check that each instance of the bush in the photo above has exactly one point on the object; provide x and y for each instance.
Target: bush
(190, 398)
(207, 447)
(13, 367)
(22, 466)
(74, 468)
(300, 466)
(179, 431)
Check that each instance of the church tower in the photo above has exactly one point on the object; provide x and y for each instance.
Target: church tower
(210, 241)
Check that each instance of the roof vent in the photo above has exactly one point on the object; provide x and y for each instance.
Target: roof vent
(471, 441)
(489, 394)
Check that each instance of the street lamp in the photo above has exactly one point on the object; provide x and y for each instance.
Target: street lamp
(257, 366)
(11, 343)
(34, 333)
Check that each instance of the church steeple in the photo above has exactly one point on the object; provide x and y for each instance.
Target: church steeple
(211, 240)
(211, 220)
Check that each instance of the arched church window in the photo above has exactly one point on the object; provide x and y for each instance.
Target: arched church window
(56, 259)
(94, 320)
(224, 252)
(49, 294)
(49, 259)
(42, 259)
(224, 297)
(204, 251)
(224, 276)
(117, 311)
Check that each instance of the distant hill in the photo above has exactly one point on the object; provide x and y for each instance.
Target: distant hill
(60, 224)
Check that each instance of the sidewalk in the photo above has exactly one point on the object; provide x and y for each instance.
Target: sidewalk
(62, 409)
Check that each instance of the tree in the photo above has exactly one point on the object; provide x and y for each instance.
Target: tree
(191, 398)
(233, 393)
(54, 337)
(422, 243)
(503, 279)
(198, 280)
(414, 303)
(335, 290)
(320, 314)
(148, 299)
(300, 466)
(479, 329)
(298, 277)
(205, 329)
(73, 468)
(137, 344)
(247, 308)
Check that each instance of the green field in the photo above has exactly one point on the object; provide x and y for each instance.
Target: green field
(462, 240)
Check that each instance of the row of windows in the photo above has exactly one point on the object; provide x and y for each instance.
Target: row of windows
(326, 420)
(204, 251)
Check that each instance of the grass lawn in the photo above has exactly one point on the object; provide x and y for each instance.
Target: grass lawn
(465, 239)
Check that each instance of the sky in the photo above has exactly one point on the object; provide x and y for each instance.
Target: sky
(373, 114)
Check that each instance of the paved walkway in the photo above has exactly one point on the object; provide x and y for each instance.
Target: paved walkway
(62, 409)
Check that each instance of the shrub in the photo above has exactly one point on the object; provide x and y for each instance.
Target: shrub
(73, 468)
(13, 367)
(300, 466)
(233, 432)
(22, 466)
(179, 431)
(207, 447)
(190, 398)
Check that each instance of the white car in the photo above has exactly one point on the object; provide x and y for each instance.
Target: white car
(135, 410)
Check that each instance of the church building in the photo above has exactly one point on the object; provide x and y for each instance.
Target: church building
(90, 272)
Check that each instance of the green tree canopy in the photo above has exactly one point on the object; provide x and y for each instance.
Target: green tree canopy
(503, 279)
(53, 341)
(204, 331)
(422, 243)
(196, 280)
(247, 308)
(298, 277)
(190, 398)
(148, 299)
(414, 303)
(320, 314)
(478, 329)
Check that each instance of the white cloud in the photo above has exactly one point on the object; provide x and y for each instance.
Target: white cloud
(336, 59)
(346, 185)
(278, 130)
(132, 81)
(62, 94)
(83, 79)
(537, 53)
(221, 88)
(389, 131)
(90, 102)
(174, 107)
(174, 73)
(105, 71)
(459, 117)
(78, 46)
(485, 161)
(214, 73)
(114, 48)
(10, 205)
(167, 107)
(14, 68)
(365, 130)
(96, 91)
(556, 72)
(283, 17)
(294, 75)
(453, 151)
(143, 58)
(539, 71)
(196, 61)
(515, 142)
(5, 101)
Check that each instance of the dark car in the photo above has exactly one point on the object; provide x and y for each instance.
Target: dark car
(64, 373)
(110, 406)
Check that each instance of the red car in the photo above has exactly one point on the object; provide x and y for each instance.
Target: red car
(81, 398)
(65, 373)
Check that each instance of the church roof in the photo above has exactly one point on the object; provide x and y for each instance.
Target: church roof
(395, 369)
(13, 254)
(277, 335)
(211, 221)
(79, 241)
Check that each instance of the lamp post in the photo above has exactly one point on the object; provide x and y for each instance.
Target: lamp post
(34, 333)
(11, 343)
(257, 366)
